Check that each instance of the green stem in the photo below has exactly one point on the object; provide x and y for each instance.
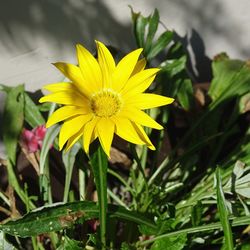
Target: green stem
(99, 163)
(82, 191)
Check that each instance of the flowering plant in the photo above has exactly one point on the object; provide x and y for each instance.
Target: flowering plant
(143, 156)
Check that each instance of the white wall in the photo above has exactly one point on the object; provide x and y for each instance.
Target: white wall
(35, 33)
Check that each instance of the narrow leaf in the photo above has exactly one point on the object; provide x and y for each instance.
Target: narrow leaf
(152, 28)
(50, 136)
(185, 94)
(59, 216)
(69, 161)
(164, 39)
(140, 25)
(223, 212)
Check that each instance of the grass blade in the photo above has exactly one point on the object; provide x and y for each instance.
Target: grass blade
(223, 212)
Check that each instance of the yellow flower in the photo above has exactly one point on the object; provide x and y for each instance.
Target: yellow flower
(102, 99)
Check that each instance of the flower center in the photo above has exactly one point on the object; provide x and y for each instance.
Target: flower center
(105, 103)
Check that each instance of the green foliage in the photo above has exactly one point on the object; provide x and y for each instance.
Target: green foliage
(31, 112)
(13, 120)
(4, 244)
(223, 213)
(192, 192)
(59, 216)
(68, 244)
(171, 243)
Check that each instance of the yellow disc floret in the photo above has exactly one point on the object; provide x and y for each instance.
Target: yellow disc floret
(105, 103)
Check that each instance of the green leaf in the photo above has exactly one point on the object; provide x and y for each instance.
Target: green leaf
(69, 161)
(140, 23)
(5, 88)
(32, 114)
(13, 121)
(152, 28)
(59, 216)
(174, 66)
(185, 94)
(239, 182)
(161, 43)
(231, 79)
(196, 214)
(5, 245)
(223, 212)
(49, 138)
(99, 164)
(69, 244)
(171, 243)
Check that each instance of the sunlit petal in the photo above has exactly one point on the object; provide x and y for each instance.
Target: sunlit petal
(64, 113)
(73, 73)
(124, 69)
(147, 101)
(67, 98)
(144, 136)
(105, 131)
(140, 65)
(139, 82)
(72, 140)
(125, 129)
(89, 133)
(60, 86)
(107, 64)
(71, 127)
(89, 67)
(140, 117)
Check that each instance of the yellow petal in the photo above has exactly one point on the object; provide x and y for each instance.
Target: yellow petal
(89, 67)
(106, 62)
(105, 131)
(60, 86)
(147, 101)
(72, 140)
(67, 98)
(139, 117)
(125, 129)
(64, 113)
(89, 133)
(139, 82)
(140, 65)
(71, 127)
(74, 73)
(124, 69)
(144, 136)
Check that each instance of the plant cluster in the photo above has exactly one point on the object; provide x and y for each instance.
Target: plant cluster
(192, 192)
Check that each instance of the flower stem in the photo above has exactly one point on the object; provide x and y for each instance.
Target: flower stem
(99, 163)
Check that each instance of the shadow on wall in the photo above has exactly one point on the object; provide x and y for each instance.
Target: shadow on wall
(63, 23)
(198, 59)
(208, 20)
